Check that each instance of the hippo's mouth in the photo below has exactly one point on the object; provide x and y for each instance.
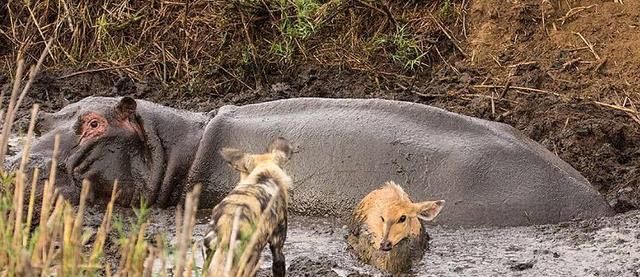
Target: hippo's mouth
(79, 163)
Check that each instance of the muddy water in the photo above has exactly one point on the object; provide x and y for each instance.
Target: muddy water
(601, 247)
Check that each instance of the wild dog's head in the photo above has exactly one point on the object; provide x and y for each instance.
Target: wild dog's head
(252, 168)
(277, 154)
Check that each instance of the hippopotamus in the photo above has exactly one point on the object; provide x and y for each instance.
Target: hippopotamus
(489, 173)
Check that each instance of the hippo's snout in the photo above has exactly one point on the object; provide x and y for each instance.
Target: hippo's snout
(386, 245)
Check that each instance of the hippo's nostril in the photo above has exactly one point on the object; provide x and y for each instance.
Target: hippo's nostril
(385, 245)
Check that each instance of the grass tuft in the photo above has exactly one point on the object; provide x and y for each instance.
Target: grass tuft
(184, 43)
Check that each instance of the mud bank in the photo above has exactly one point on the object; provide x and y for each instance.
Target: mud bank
(316, 247)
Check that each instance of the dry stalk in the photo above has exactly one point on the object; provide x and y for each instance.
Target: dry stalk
(27, 145)
(589, 45)
(6, 128)
(260, 231)
(188, 221)
(99, 70)
(232, 241)
(46, 204)
(18, 204)
(633, 113)
(521, 88)
(105, 226)
(446, 33)
(32, 200)
(572, 12)
(33, 72)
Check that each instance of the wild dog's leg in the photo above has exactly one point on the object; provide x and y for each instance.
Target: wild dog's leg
(276, 244)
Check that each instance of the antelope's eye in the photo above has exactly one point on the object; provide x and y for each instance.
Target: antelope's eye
(402, 218)
(93, 124)
(382, 219)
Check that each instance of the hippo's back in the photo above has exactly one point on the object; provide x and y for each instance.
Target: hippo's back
(488, 172)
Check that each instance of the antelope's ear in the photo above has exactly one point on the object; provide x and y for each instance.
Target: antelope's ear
(428, 210)
(236, 158)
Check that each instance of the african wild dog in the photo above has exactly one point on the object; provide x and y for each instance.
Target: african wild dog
(385, 230)
(259, 202)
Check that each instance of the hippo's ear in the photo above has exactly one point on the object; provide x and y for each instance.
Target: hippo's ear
(428, 210)
(126, 107)
(44, 122)
(281, 147)
(235, 158)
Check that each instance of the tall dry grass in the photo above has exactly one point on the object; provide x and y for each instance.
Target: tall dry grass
(228, 45)
(55, 243)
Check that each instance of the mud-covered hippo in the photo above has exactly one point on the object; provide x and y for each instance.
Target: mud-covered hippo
(488, 172)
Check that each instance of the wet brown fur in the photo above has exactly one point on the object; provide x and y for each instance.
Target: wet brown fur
(387, 215)
(263, 184)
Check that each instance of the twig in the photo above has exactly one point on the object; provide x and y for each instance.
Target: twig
(616, 107)
(387, 13)
(252, 46)
(569, 63)
(445, 62)
(489, 97)
(385, 5)
(630, 112)
(32, 76)
(234, 77)
(493, 105)
(451, 38)
(589, 45)
(98, 70)
(576, 49)
(544, 25)
(430, 94)
(521, 88)
(572, 12)
(35, 22)
(522, 63)
(600, 65)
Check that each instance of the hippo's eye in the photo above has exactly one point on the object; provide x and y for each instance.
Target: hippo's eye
(93, 124)
(382, 219)
(402, 218)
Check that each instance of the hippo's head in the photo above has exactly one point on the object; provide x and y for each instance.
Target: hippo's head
(101, 140)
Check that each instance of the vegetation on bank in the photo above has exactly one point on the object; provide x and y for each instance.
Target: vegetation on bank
(198, 45)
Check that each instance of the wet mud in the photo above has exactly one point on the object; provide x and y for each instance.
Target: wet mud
(317, 247)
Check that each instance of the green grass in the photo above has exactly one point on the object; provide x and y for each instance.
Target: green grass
(403, 48)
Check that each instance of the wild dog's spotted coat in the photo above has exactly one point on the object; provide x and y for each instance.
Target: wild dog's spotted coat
(263, 184)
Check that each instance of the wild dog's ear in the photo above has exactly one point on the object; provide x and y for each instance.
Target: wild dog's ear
(126, 107)
(235, 158)
(281, 147)
(428, 210)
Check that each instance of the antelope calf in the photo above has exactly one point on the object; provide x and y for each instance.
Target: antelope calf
(386, 231)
